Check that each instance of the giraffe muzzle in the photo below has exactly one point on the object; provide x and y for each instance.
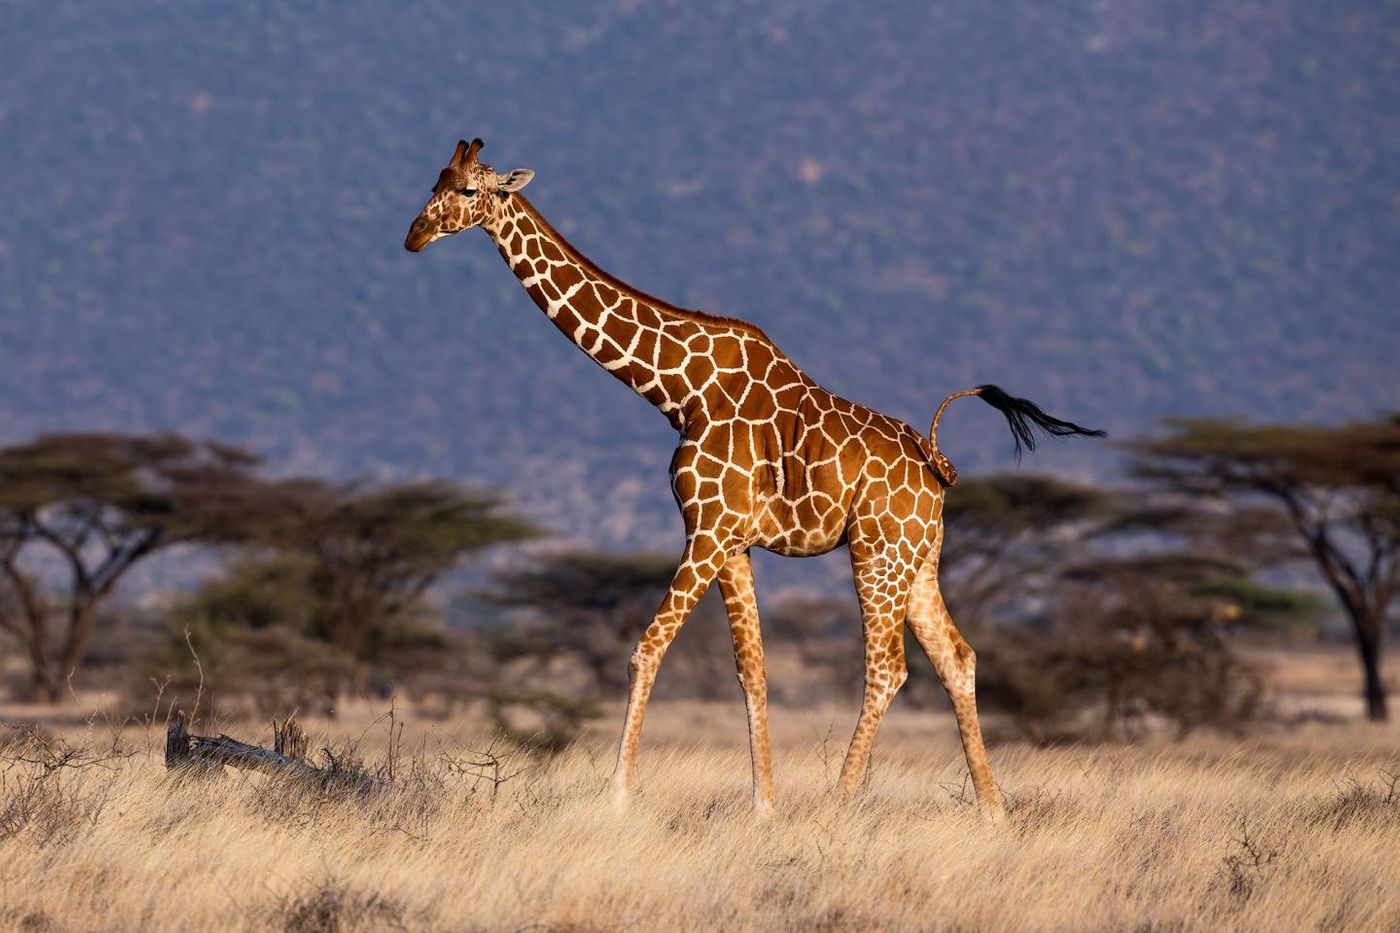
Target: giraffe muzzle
(419, 236)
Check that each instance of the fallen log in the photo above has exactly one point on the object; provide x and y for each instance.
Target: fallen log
(187, 751)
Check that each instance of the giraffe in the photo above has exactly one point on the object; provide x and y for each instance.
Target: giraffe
(767, 458)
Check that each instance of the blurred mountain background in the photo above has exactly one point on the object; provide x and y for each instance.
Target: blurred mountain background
(1122, 210)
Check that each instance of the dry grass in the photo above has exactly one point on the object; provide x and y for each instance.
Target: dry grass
(1294, 831)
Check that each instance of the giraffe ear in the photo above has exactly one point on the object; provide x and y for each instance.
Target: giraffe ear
(515, 180)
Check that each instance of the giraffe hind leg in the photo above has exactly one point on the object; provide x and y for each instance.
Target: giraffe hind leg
(956, 664)
(883, 583)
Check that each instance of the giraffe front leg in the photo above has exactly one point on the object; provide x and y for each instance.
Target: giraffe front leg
(736, 583)
(700, 563)
(956, 665)
(882, 582)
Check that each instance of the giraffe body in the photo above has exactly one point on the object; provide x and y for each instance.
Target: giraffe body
(767, 458)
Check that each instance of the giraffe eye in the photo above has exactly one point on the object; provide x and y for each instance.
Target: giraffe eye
(467, 192)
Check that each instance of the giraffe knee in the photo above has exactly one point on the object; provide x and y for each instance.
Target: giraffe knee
(887, 683)
(967, 658)
(753, 682)
(748, 664)
(884, 679)
(961, 680)
(643, 663)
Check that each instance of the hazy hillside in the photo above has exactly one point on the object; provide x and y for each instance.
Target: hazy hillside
(1123, 210)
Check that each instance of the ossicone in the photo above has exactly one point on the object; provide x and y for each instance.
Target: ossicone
(465, 153)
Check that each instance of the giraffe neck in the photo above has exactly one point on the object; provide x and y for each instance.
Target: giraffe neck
(641, 340)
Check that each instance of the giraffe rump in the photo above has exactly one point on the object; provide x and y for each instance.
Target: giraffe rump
(1023, 415)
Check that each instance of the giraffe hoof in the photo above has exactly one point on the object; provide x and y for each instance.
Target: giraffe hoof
(846, 790)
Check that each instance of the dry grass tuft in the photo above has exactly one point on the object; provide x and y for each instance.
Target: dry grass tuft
(331, 908)
(1363, 802)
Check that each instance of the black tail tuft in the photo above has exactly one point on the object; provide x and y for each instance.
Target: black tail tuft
(1022, 414)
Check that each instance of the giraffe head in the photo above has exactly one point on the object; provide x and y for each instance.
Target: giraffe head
(468, 193)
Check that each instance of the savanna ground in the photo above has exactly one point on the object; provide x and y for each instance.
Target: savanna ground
(1295, 827)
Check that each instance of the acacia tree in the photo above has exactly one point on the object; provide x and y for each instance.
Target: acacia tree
(1005, 531)
(1135, 637)
(584, 609)
(88, 508)
(368, 554)
(327, 589)
(586, 606)
(1139, 622)
(374, 552)
(1338, 488)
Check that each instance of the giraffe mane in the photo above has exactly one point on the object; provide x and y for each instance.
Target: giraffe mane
(661, 305)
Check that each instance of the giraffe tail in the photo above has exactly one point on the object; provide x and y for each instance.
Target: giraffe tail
(1021, 414)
